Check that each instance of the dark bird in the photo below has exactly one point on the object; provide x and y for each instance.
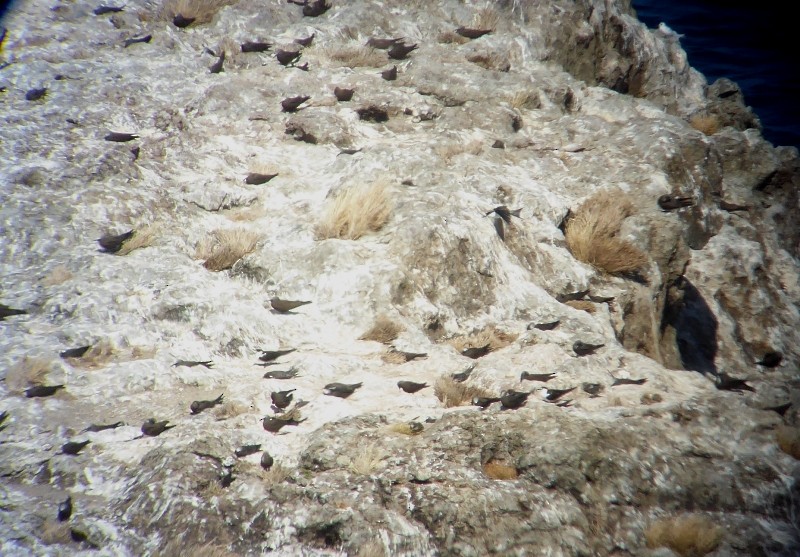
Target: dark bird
(291, 104)
(281, 374)
(500, 228)
(399, 51)
(623, 381)
(247, 450)
(731, 207)
(342, 390)
(267, 461)
(584, 349)
(306, 41)
(564, 403)
(285, 306)
(316, 8)
(256, 179)
(216, 67)
(476, 352)
(266, 364)
(111, 243)
(725, 382)
(181, 22)
(572, 296)
(73, 447)
(274, 425)
(153, 428)
(303, 67)
(372, 114)
(135, 40)
(407, 356)
(780, 409)
(771, 359)
(102, 10)
(42, 390)
(383, 44)
(472, 33)
(390, 74)
(543, 377)
(102, 427)
(593, 389)
(35, 94)
(464, 375)
(255, 46)
(411, 386)
(669, 202)
(208, 364)
(514, 399)
(227, 477)
(286, 57)
(484, 401)
(75, 352)
(348, 151)
(6, 311)
(505, 213)
(3, 416)
(282, 399)
(120, 137)
(198, 406)
(343, 94)
(269, 355)
(552, 395)
(549, 326)
(65, 509)
(80, 537)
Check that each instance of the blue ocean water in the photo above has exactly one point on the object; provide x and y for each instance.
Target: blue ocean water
(755, 45)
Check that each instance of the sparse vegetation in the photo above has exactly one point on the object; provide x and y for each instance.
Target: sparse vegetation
(405, 428)
(275, 475)
(142, 238)
(229, 410)
(709, 124)
(201, 11)
(31, 370)
(224, 247)
(355, 56)
(486, 18)
(53, 532)
(583, 305)
(384, 330)
(592, 235)
(525, 100)
(452, 394)
(490, 61)
(788, 439)
(499, 471)
(688, 536)
(367, 460)
(356, 211)
(448, 151)
(451, 37)
(495, 338)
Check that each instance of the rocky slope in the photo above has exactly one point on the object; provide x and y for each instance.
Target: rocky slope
(561, 100)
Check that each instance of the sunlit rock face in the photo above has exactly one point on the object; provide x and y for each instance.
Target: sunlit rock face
(394, 214)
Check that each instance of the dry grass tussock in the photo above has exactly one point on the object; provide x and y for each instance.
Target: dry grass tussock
(277, 474)
(525, 100)
(448, 151)
(142, 238)
(583, 305)
(384, 330)
(499, 471)
(709, 124)
(451, 37)
(490, 61)
(30, 370)
(355, 56)
(452, 394)
(688, 536)
(486, 18)
(788, 439)
(224, 247)
(495, 338)
(179, 548)
(367, 461)
(202, 11)
(58, 275)
(246, 214)
(229, 410)
(592, 235)
(356, 211)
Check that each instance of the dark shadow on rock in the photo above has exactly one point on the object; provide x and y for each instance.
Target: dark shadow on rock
(695, 327)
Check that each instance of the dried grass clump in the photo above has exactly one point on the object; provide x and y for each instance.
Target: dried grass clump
(448, 151)
(355, 56)
(384, 330)
(224, 247)
(583, 305)
(499, 471)
(490, 61)
(486, 18)
(97, 356)
(495, 338)
(356, 211)
(367, 461)
(451, 37)
(788, 439)
(58, 275)
(246, 214)
(202, 11)
(277, 474)
(52, 533)
(688, 536)
(709, 124)
(30, 370)
(142, 238)
(452, 394)
(525, 100)
(229, 410)
(592, 235)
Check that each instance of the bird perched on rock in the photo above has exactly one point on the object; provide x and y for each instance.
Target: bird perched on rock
(281, 374)
(316, 8)
(552, 395)
(732, 207)
(476, 352)
(65, 509)
(267, 461)
(208, 364)
(399, 355)
(593, 389)
(256, 46)
(6, 311)
(181, 21)
(572, 296)
(780, 409)
(135, 40)
(584, 349)
(270, 355)
(771, 359)
(623, 381)
(725, 382)
(390, 74)
(399, 51)
(600, 299)
(505, 213)
(282, 399)
(484, 401)
(198, 406)
(120, 137)
(342, 390)
(3, 416)
(216, 67)
(152, 428)
(285, 306)
(514, 399)
(287, 57)
(274, 424)
(343, 94)
(411, 386)
(306, 41)
(383, 44)
(543, 377)
(470, 33)
(73, 447)
(42, 390)
(35, 94)
(464, 375)
(75, 352)
(548, 326)
(247, 450)
(102, 10)
(111, 243)
(291, 104)
(102, 427)
(669, 202)
(256, 178)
